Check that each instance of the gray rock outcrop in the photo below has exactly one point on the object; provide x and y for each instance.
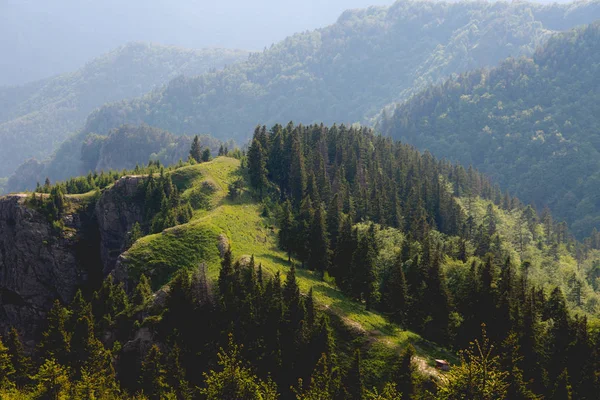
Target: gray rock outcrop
(117, 212)
(38, 264)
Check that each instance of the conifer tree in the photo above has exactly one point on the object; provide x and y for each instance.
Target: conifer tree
(438, 300)
(196, 150)
(20, 361)
(353, 380)
(257, 167)
(562, 387)
(404, 372)
(286, 231)
(303, 230)
(394, 293)
(153, 375)
(322, 385)
(142, 292)
(294, 308)
(7, 369)
(334, 220)
(176, 376)
(206, 156)
(319, 255)
(56, 340)
(342, 258)
(52, 381)
(363, 271)
(234, 380)
(478, 376)
(297, 174)
(511, 362)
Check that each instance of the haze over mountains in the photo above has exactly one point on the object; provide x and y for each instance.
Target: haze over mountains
(450, 251)
(62, 35)
(37, 117)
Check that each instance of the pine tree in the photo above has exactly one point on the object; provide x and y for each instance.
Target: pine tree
(294, 310)
(7, 369)
(286, 231)
(142, 292)
(334, 220)
(511, 362)
(394, 293)
(322, 385)
(297, 172)
(404, 372)
(438, 300)
(562, 388)
(478, 376)
(234, 380)
(55, 339)
(257, 167)
(363, 271)
(196, 150)
(227, 278)
(176, 376)
(353, 380)
(153, 375)
(319, 255)
(206, 156)
(303, 230)
(52, 381)
(20, 361)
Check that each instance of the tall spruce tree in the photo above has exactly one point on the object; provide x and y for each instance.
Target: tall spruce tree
(320, 254)
(257, 167)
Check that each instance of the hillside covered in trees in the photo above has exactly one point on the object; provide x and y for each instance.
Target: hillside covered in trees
(325, 263)
(530, 124)
(349, 71)
(37, 117)
(122, 148)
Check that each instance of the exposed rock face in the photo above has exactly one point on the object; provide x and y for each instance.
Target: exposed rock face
(38, 264)
(117, 212)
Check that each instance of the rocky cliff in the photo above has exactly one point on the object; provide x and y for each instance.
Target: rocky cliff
(38, 264)
(117, 211)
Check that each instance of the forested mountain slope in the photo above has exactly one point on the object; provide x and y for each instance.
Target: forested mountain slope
(350, 70)
(532, 125)
(36, 118)
(327, 254)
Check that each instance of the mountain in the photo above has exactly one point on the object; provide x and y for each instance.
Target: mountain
(122, 148)
(62, 36)
(36, 118)
(349, 71)
(531, 124)
(331, 255)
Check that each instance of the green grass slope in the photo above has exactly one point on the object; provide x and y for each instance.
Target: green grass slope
(188, 245)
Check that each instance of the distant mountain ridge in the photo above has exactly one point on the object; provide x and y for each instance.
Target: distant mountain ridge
(531, 124)
(349, 71)
(37, 117)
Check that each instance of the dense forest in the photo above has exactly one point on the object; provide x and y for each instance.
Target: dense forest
(372, 225)
(349, 71)
(122, 148)
(37, 117)
(529, 124)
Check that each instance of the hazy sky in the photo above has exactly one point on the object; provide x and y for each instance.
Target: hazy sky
(39, 38)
